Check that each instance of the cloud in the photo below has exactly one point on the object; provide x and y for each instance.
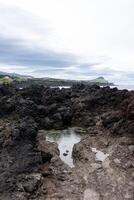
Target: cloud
(16, 52)
(130, 75)
(19, 23)
(36, 38)
(20, 57)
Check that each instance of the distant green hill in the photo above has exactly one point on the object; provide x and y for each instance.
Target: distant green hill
(99, 80)
(13, 77)
(7, 78)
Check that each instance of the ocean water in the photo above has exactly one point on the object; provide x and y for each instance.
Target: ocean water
(122, 87)
(60, 87)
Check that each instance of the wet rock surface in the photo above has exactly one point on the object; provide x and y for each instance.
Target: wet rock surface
(30, 166)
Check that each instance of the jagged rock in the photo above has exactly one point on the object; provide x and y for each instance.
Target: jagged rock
(48, 150)
(130, 111)
(28, 128)
(31, 183)
(18, 153)
(108, 119)
(28, 108)
(106, 114)
(46, 123)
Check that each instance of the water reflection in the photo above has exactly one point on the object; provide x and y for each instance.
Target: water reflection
(65, 140)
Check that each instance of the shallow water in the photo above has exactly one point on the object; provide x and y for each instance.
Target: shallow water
(100, 156)
(65, 140)
(60, 87)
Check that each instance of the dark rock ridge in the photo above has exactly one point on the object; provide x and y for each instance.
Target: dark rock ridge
(24, 155)
(79, 105)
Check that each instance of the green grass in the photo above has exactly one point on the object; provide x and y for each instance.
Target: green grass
(99, 80)
(6, 80)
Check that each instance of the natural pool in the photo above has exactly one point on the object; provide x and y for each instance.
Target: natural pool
(65, 140)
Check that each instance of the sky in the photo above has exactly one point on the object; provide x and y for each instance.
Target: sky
(72, 39)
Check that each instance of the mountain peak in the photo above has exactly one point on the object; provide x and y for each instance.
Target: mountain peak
(100, 77)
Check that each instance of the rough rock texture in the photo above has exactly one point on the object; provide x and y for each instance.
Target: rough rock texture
(112, 178)
(30, 167)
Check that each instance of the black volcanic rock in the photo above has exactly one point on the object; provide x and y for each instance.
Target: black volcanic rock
(24, 112)
(18, 153)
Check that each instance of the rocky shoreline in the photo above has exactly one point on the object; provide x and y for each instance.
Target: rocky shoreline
(30, 166)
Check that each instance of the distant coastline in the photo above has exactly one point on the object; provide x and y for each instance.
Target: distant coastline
(22, 81)
(25, 81)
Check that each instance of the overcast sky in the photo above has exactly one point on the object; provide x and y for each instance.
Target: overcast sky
(74, 39)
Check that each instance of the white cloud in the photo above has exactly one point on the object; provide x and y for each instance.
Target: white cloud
(95, 30)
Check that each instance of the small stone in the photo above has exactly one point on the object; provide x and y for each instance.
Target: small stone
(131, 148)
(67, 151)
(65, 171)
(117, 161)
(65, 154)
(96, 166)
(30, 186)
(128, 165)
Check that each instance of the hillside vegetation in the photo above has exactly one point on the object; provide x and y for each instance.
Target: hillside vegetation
(7, 78)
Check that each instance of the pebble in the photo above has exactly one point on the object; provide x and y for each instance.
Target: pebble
(117, 161)
(65, 154)
(128, 165)
(131, 148)
(65, 171)
(96, 166)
